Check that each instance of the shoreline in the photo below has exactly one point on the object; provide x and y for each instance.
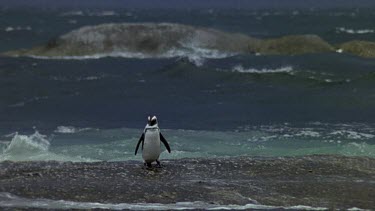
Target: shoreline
(330, 181)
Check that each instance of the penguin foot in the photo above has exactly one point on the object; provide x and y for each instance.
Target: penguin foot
(158, 165)
(147, 165)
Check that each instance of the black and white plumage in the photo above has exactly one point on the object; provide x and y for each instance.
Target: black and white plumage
(150, 139)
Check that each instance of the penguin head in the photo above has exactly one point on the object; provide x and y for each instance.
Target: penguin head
(152, 120)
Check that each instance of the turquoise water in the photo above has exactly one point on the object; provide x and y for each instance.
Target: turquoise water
(87, 144)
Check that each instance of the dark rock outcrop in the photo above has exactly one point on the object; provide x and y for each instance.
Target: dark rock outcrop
(360, 48)
(168, 40)
(148, 39)
(295, 44)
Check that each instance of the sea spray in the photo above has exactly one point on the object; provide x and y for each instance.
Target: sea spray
(23, 144)
(32, 148)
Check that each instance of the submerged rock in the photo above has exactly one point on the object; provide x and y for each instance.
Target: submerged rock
(319, 181)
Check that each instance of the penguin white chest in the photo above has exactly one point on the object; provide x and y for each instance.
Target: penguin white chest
(151, 145)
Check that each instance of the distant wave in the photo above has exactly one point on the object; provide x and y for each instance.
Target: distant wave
(73, 13)
(241, 69)
(89, 13)
(70, 129)
(354, 31)
(30, 100)
(196, 56)
(17, 28)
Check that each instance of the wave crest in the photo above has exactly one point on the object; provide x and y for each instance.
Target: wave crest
(32, 148)
(24, 144)
(241, 69)
(354, 31)
(70, 129)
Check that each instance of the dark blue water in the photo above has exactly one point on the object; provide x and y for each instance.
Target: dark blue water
(116, 92)
(315, 103)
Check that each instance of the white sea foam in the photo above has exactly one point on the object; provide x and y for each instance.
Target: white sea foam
(73, 13)
(89, 78)
(309, 133)
(339, 50)
(31, 148)
(10, 135)
(70, 129)
(103, 13)
(195, 55)
(199, 55)
(12, 201)
(18, 104)
(328, 80)
(35, 142)
(354, 31)
(25, 146)
(30, 100)
(352, 134)
(90, 13)
(358, 149)
(17, 28)
(72, 21)
(241, 69)
(357, 209)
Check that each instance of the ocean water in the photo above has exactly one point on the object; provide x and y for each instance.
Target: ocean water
(209, 103)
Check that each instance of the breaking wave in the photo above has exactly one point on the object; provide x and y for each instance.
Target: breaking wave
(89, 13)
(354, 31)
(70, 129)
(17, 28)
(32, 148)
(194, 55)
(241, 69)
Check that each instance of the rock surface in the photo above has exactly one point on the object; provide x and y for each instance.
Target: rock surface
(319, 181)
(360, 48)
(145, 39)
(295, 44)
(169, 40)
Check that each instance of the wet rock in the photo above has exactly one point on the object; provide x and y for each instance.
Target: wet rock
(360, 48)
(167, 39)
(148, 39)
(295, 44)
(319, 181)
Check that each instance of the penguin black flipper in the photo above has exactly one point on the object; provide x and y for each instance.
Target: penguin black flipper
(141, 139)
(162, 139)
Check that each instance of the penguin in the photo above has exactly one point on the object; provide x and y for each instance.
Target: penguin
(150, 139)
